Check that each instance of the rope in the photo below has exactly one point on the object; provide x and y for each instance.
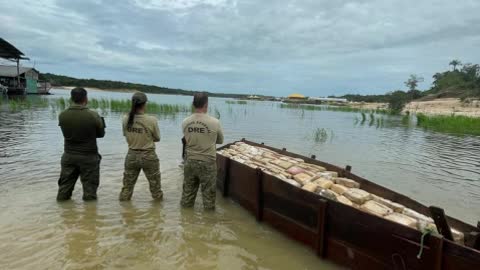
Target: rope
(426, 231)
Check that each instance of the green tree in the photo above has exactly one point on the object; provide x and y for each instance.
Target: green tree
(413, 81)
(397, 101)
(455, 63)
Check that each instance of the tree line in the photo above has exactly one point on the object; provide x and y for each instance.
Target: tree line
(463, 82)
(60, 80)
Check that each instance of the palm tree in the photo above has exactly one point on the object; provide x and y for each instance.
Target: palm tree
(455, 63)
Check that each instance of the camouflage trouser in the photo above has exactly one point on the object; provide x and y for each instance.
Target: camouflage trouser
(203, 174)
(74, 165)
(148, 162)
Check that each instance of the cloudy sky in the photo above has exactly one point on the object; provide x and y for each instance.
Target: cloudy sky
(315, 47)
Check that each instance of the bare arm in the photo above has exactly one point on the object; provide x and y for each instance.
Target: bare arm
(219, 134)
(156, 131)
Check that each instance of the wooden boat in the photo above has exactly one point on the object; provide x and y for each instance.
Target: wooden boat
(340, 233)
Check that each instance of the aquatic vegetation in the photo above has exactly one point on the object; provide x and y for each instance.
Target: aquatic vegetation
(364, 117)
(321, 135)
(22, 103)
(124, 105)
(457, 124)
(242, 102)
(217, 113)
(311, 107)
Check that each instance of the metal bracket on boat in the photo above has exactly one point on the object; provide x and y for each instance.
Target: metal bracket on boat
(348, 168)
(313, 157)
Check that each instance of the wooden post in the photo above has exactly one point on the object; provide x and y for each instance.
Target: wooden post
(438, 215)
(18, 73)
(321, 224)
(226, 181)
(259, 210)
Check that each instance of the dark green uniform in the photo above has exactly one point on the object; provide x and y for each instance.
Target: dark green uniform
(80, 127)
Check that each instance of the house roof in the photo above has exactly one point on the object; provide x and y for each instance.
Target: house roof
(8, 51)
(296, 96)
(11, 71)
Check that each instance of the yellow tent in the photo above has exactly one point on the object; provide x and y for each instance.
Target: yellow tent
(296, 96)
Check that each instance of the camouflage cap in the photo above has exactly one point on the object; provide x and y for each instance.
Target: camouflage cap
(139, 97)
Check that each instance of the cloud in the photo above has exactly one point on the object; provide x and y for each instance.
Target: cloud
(316, 47)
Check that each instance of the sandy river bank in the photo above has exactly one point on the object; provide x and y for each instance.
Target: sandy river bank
(442, 106)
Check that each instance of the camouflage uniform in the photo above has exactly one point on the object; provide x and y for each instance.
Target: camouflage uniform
(203, 173)
(147, 161)
(80, 127)
(141, 135)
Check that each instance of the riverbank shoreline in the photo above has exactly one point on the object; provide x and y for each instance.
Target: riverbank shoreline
(436, 107)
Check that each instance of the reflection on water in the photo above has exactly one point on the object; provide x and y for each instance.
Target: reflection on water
(38, 233)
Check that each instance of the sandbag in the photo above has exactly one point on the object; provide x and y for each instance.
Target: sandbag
(375, 208)
(458, 236)
(346, 182)
(423, 225)
(323, 183)
(317, 168)
(327, 193)
(339, 188)
(295, 170)
(396, 207)
(357, 196)
(298, 160)
(292, 182)
(285, 164)
(302, 178)
(332, 173)
(411, 213)
(344, 200)
(402, 219)
(312, 187)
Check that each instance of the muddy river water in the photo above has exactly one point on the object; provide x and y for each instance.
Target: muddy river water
(36, 232)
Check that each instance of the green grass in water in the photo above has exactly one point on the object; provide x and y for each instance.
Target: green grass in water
(242, 102)
(309, 107)
(457, 124)
(320, 135)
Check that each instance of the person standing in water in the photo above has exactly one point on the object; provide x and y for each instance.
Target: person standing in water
(80, 127)
(141, 132)
(202, 132)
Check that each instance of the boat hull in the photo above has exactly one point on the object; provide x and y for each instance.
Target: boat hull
(336, 232)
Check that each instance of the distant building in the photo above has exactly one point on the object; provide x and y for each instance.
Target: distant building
(296, 96)
(27, 77)
(253, 97)
(322, 99)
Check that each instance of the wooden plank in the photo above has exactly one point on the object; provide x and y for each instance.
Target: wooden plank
(321, 231)
(259, 213)
(456, 257)
(243, 185)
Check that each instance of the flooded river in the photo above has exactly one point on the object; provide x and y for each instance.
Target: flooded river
(36, 232)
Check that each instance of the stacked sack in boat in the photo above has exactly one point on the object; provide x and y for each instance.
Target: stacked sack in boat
(318, 179)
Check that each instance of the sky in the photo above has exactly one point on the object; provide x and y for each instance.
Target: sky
(271, 47)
